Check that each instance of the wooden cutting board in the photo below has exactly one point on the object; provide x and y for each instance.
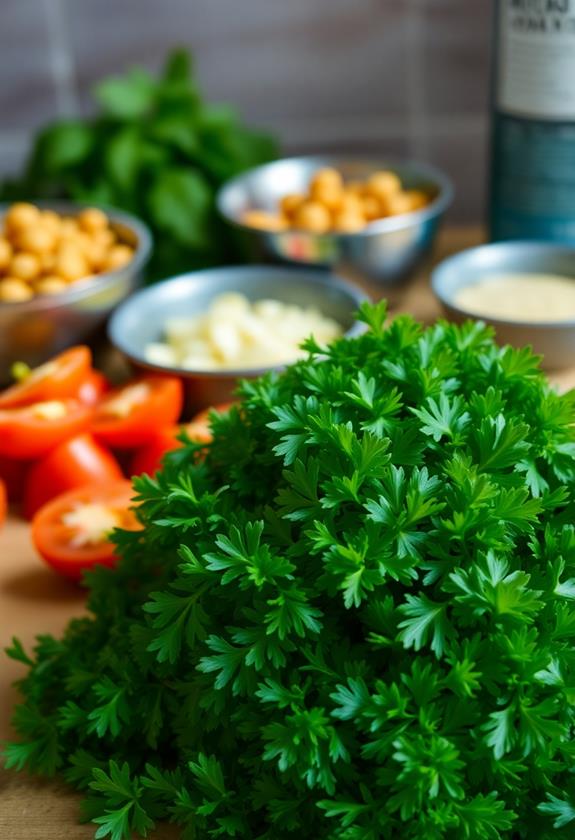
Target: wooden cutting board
(34, 600)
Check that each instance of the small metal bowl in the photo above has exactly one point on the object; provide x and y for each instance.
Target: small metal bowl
(141, 319)
(35, 330)
(554, 340)
(386, 251)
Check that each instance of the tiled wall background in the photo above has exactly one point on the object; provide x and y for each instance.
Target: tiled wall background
(407, 77)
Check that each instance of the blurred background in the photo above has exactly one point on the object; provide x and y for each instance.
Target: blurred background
(405, 77)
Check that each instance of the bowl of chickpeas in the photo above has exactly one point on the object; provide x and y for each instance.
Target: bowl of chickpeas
(370, 219)
(63, 269)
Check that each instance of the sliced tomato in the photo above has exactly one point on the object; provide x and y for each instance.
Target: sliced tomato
(93, 388)
(129, 416)
(57, 379)
(71, 533)
(77, 462)
(13, 474)
(149, 458)
(30, 431)
(3, 502)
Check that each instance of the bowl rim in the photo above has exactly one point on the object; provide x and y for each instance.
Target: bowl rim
(83, 289)
(391, 223)
(535, 246)
(317, 277)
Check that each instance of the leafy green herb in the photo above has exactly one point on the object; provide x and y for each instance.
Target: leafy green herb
(353, 620)
(156, 150)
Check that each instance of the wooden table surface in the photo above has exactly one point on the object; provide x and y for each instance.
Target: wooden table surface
(33, 600)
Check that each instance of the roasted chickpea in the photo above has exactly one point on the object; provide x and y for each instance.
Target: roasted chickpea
(25, 266)
(400, 203)
(118, 256)
(264, 220)
(383, 184)
(69, 229)
(326, 178)
(290, 203)
(355, 187)
(36, 239)
(71, 264)
(417, 199)
(348, 222)
(351, 203)
(313, 217)
(372, 208)
(50, 285)
(104, 238)
(328, 195)
(5, 253)
(21, 215)
(50, 220)
(92, 219)
(13, 290)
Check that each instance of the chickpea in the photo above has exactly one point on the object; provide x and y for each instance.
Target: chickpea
(5, 253)
(37, 240)
(71, 264)
(25, 266)
(13, 290)
(69, 229)
(372, 208)
(383, 184)
(348, 222)
(51, 221)
(417, 199)
(264, 220)
(118, 256)
(104, 238)
(290, 203)
(400, 203)
(313, 217)
(351, 203)
(21, 215)
(92, 219)
(327, 194)
(326, 178)
(50, 285)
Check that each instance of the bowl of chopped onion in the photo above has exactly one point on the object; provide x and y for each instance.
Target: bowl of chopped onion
(216, 326)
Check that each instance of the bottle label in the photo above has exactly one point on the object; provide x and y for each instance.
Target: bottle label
(536, 77)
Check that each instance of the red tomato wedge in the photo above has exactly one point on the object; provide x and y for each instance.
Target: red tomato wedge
(149, 458)
(30, 431)
(57, 379)
(71, 533)
(77, 462)
(129, 416)
(93, 388)
(3, 502)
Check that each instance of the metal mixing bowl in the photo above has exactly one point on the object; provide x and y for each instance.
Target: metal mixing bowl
(140, 320)
(35, 330)
(386, 251)
(554, 340)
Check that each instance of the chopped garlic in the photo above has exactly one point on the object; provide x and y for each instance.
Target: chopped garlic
(91, 523)
(235, 333)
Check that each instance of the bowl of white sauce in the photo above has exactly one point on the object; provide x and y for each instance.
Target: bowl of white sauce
(525, 290)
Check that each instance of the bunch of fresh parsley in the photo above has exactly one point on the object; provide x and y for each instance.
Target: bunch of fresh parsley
(157, 150)
(354, 620)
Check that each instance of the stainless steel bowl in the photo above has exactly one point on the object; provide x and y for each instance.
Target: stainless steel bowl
(140, 319)
(554, 340)
(387, 251)
(32, 331)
